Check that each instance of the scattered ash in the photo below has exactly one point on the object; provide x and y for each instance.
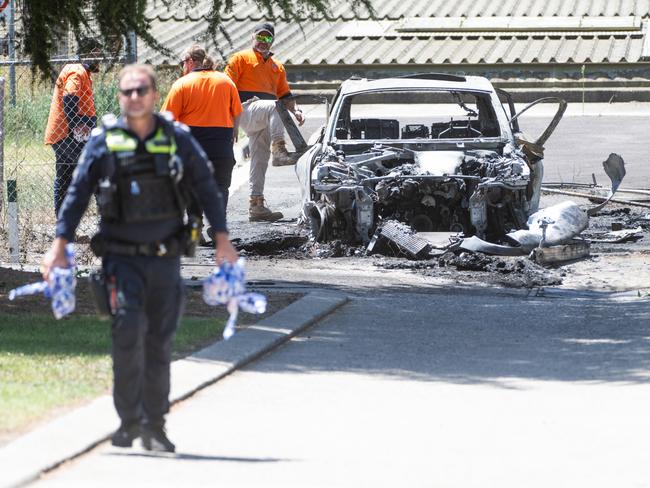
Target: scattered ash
(512, 272)
(617, 218)
(620, 218)
(460, 267)
(616, 212)
(288, 244)
(470, 261)
(271, 243)
(333, 249)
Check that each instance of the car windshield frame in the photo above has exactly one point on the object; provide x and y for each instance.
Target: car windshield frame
(344, 99)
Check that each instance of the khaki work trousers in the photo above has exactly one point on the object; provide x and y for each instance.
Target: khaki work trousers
(263, 125)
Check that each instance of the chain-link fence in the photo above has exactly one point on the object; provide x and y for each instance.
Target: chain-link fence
(44, 128)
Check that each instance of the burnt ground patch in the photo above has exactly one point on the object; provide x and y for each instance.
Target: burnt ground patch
(281, 240)
(468, 267)
(292, 242)
(288, 241)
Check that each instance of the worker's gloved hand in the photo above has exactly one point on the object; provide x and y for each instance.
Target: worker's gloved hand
(300, 116)
(226, 285)
(81, 133)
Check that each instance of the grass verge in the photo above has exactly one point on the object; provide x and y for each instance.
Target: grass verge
(46, 365)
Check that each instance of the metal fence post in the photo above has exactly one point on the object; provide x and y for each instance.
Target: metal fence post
(12, 53)
(12, 221)
(2, 144)
(131, 47)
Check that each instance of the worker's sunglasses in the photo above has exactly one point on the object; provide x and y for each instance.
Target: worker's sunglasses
(262, 38)
(141, 91)
(182, 62)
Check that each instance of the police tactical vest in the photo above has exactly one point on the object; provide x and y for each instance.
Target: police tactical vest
(139, 186)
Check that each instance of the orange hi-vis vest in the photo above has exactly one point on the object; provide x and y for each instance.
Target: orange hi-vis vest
(74, 79)
(255, 76)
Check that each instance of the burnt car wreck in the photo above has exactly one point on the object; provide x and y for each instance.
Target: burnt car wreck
(439, 153)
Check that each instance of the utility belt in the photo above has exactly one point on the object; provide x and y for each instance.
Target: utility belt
(105, 288)
(182, 244)
(167, 248)
(106, 293)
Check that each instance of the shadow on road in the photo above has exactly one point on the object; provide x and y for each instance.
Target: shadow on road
(195, 457)
(469, 338)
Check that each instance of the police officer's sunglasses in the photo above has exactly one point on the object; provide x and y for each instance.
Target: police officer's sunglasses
(263, 38)
(141, 91)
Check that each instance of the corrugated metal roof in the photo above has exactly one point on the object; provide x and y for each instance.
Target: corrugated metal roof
(321, 43)
(426, 32)
(396, 9)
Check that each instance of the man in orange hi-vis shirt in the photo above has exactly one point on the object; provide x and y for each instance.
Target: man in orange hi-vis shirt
(261, 80)
(207, 101)
(72, 115)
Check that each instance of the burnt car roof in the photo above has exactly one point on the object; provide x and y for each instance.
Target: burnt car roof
(472, 83)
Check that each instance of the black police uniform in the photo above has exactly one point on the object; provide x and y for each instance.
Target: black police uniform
(141, 260)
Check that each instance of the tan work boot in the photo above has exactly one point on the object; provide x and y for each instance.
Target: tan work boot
(281, 156)
(258, 212)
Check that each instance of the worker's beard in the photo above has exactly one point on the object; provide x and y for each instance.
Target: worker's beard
(265, 51)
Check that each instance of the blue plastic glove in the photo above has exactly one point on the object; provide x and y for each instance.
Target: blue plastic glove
(226, 285)
(59, 287)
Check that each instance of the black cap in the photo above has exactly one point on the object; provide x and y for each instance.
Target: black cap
(265, 27)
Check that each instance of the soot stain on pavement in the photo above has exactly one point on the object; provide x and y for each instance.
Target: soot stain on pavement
(290, 241)
(287, 243)
(510, 272)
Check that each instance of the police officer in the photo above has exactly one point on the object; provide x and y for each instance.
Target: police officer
(142, 168)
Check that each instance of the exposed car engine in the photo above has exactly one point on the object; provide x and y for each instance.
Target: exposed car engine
(476, 192)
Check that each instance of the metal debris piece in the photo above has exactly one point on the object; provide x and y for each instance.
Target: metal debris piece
(554, 225)
(294, 133)
(401, 236)
(618, 236)
(440, 240)
(614, 167)
(576, 249)
(479, 245)
(590, 196)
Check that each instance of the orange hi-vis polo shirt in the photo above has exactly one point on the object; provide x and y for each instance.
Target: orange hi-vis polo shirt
(204, 98)
(73, 79)
(207, 101)
(256, 77)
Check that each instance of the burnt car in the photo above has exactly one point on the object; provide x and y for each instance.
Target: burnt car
(437, 152)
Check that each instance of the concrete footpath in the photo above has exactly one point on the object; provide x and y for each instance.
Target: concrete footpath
(26, 458)
(418, 389)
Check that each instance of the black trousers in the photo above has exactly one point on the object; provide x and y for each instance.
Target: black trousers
(223, 176)
(150, 299)
(66, 155)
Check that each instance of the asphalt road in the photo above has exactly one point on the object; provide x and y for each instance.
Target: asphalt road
(418, 390)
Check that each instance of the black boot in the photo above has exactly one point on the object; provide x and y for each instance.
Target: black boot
(154, 438)
(126, 434)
